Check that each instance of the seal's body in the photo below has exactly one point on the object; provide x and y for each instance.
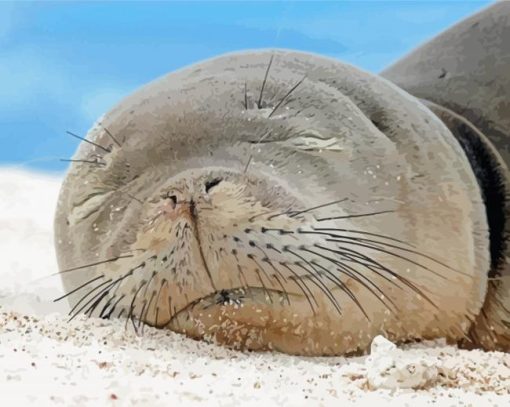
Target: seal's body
(463, 75)
(279, 200)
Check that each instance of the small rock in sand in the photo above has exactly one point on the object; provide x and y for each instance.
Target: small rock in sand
(391, 368)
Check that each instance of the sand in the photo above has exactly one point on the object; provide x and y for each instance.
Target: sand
(45, 359)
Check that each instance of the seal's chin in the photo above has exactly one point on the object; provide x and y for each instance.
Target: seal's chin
(245, 319)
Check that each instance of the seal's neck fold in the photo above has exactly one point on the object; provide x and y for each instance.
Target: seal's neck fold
(492, 175)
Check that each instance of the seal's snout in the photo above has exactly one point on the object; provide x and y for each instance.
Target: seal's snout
(229, 258)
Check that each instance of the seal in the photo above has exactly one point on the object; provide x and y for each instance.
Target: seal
(281, 200)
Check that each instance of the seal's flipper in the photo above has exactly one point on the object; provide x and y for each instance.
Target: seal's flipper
(463, 75)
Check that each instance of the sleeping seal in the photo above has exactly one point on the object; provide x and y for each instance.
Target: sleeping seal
(282, 200)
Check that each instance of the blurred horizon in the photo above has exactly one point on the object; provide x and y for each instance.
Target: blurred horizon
(63, 64)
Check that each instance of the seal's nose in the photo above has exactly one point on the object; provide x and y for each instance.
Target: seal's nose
(172, 200)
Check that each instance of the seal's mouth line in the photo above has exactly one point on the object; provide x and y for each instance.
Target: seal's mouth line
(223, 292)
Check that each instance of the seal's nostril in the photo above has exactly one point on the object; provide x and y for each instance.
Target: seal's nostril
(212, 183)
(172, 198)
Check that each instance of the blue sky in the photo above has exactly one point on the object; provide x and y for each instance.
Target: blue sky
(63, 64)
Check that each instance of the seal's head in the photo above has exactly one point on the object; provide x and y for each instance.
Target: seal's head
(274, 200)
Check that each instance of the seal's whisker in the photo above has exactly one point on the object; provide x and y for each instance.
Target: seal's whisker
(346, 257)
(95, 263)
(346, 268)
(121, 312)
(156, 318)
(408, 251)
(368, 241)
(377, 242)
(132, 196)
(78, 288)
(275, 276)
(355, 256)
(343, 287)
(374, 244)
(154, 273)
(95, 304)
(245, 96)
(320, 284)
(310, 275)
(190, 305)
(73, 314)
(409, 284)
(257, 271)
(153, 219)
(267, 260)
(94, 162)
(108, 287)
(354, 216)
(144, 305)
(132, 306)
(90, 142)
(252, 218)
(259, 103)
(286, 212)
(132, 319)
(296, 279)
(308, 294)
(363, 233)
(279, 230)
(247, 164)
(357, 276)
(156, 304)
(111, 135)
(381, 266)
(105, 307)
(379, 249)
(286, 96)
(293, 214)
(114, 307)
(256, 144)
(241, 274)
(352, 256)
(172, 307)
(153, 294)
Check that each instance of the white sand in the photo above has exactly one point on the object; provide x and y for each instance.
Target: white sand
(47, 361)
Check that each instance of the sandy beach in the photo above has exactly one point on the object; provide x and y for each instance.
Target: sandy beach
(47, 360)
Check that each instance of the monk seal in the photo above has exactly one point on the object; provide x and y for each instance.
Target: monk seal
(281, 200)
